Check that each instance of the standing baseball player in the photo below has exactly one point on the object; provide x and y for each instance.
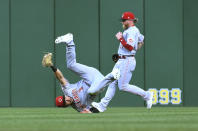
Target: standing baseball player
(126, 63)
(76, 94)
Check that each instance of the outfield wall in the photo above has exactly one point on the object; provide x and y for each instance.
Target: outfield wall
(167, 64)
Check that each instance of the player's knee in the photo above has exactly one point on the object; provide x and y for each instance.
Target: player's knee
(122, 87)
(71, 65)
(91, 91)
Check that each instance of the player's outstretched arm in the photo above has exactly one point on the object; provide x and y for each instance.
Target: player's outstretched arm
(60, 77)
(47, 62)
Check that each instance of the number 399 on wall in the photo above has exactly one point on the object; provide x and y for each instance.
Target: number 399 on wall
(164, 96)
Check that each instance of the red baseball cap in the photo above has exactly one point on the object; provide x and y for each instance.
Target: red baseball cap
(128, 16)
(60, 101)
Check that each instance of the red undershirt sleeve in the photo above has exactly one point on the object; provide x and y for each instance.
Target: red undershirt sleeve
(124, 43)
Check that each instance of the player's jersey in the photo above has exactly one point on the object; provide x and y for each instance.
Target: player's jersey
(78, 92)
(131, 37)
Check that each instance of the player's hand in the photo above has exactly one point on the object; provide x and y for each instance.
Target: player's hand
(119, 35)
(85, 111)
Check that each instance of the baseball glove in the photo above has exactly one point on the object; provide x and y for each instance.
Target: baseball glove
(47, 60)
(115, 57)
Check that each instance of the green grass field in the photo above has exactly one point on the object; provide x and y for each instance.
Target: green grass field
(114, 119)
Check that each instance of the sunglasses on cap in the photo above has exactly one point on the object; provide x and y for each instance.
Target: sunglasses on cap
(135, 20)
(123, 20)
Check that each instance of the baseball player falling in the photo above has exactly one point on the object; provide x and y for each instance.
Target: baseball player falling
(76, 94)
(130, 41)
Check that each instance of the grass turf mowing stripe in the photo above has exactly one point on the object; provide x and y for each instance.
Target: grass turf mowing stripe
(114, 119)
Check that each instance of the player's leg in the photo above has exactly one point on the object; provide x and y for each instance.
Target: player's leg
(126, 70)
(124, 85)
(104, 102)
(146, 95)
(97, 87)
(109, 94)
(105, 81)
(85, 72)
(94, 90)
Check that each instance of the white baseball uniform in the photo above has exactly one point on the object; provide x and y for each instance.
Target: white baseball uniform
(90, 78)
(126, 64)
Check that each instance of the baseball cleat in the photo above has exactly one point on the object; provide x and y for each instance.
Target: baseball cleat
(116, 73)
(65, 38)
(94, 110)
(98, 106)
(149, 102)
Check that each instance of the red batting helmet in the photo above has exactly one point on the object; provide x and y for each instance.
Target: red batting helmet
(60, 101)
(128, 16)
